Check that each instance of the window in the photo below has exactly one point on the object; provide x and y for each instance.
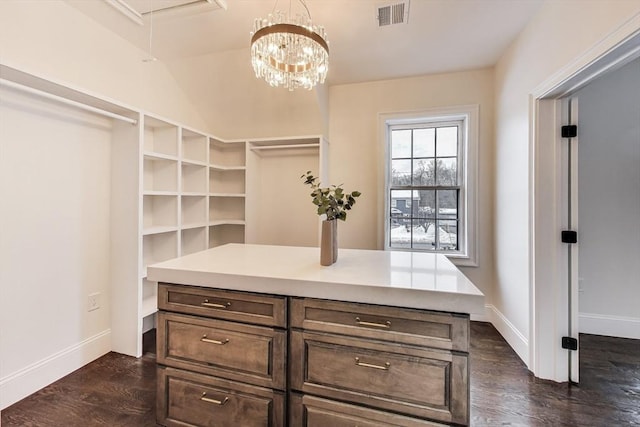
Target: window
(427, 192)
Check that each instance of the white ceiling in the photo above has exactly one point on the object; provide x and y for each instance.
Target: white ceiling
(440, 36)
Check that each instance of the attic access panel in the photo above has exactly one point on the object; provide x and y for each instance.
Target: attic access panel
(144, 7)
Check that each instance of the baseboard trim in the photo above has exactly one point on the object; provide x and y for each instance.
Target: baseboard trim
(613, 326)
(518, 342)
(484, 316)
(28, 380)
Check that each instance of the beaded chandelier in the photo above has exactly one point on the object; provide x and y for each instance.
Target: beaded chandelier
(289, 51)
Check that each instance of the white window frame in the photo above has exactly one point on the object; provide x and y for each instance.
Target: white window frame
(468, 114)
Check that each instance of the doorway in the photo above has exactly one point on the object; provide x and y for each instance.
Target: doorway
(607, 183)
(601, 187)
(608, 154)
(554, 281)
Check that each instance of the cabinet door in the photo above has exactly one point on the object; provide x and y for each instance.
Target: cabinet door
(399, 325)
(414, 381)
(247, 353)
(195, 400)
(310, 411)
(245, 307)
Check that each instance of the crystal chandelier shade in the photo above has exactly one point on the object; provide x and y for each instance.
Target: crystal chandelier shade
(289, 51)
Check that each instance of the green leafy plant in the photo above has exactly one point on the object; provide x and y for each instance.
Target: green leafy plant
(332, 201)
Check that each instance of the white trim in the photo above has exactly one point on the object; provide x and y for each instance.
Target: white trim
(485, 316)
(558, 84)
(126, 10)
(28, 380)
(66, 101)
(518, 342)
(470, 114)
(548, 307)
(613, 326)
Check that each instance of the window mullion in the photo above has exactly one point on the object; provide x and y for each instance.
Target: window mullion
(436, 222)
(413, 207)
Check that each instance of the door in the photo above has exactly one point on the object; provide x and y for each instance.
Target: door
(570, 223)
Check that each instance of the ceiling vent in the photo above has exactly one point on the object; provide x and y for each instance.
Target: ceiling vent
(393, 13)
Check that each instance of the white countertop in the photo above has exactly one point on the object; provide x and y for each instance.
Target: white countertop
(394, 278)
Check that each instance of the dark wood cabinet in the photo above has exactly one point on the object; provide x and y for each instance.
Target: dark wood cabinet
(311, 411)
(274, 360)
(405, 361)
(186, 398)
(237, 351)
(221, 358)
(244, 307)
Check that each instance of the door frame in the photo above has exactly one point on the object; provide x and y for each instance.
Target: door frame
(549, 267)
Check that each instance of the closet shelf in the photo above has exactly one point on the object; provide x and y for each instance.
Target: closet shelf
(152, 155)
(227, 168)
(227, 222)
(149, 306)
(159, 193)
(283, 146)
(194, 162)
(192, 225)
(227, 194)
(159, 229)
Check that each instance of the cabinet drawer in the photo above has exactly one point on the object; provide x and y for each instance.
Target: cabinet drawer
(401, 325)
(310, 411)
(190, 399)
(248, 353)
(220, 304)
(410, 380)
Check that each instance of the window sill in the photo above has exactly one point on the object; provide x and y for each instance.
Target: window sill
(461, 260)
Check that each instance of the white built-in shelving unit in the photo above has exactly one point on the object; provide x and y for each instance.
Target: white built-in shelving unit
(176, 191)
(193, 196)
(227, 192)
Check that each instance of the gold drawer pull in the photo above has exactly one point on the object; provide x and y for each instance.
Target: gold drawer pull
(206, 303)
(204, 398)
(386, 366)
(385, 325)
(210, 341)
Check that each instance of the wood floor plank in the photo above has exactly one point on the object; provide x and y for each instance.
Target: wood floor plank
(504, 392)
(118, 390)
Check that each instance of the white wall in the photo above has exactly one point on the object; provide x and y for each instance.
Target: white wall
(55, 189)
(357, 157)
(55, 40)
(236, 104)
(609, 203)
(547, 45)
(281, 209)
(54, 241)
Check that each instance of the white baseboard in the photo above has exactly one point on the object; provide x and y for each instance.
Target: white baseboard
(484, 316)
(613, 326)
(518, 342)
(26, 381)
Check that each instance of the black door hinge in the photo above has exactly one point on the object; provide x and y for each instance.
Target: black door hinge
(569, 343)
(569, 236)
(569, 131)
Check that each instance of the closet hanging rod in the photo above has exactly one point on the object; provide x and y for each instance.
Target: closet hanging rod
(283, 146)
(66, 101)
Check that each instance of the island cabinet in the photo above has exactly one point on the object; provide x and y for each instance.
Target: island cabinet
(231, 358)
(272, 338)
(221, 358)
(370, 365)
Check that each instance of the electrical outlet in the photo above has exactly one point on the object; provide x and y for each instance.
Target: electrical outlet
(93, 301)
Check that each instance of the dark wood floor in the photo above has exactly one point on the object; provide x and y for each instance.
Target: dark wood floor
(118, 390)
